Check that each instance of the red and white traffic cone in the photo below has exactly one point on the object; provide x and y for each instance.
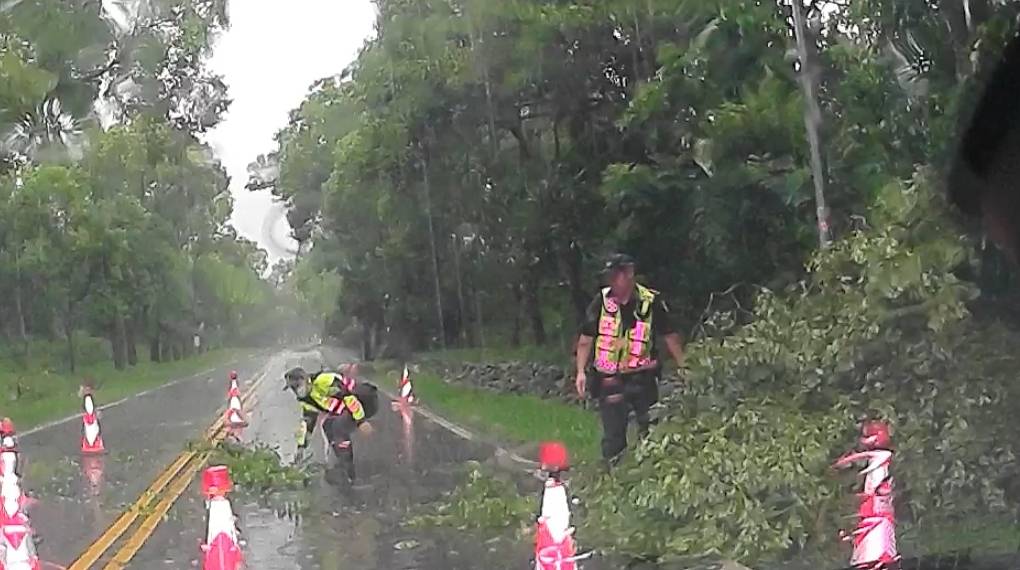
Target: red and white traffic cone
(92, 437)
(8, 450)
(222, 549)
(17, 548)
(874, 537)
(234, 417)
(554, 537)
(406, 388)
(12, 499)
(402, 405)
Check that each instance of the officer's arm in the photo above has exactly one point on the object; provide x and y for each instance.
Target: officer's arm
(353, 404)
(674, 343)
(586, 338)
(584, 344)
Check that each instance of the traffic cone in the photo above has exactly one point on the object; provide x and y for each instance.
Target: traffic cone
(17, 547)
(12, 499)
(234, 417)
(8, 450)
(406, 389)
(221, 549)
(92, 437)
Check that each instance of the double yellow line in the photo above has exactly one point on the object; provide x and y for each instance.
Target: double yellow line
(177, 476)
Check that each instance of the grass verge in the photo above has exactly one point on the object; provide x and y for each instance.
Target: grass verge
(514, 419)
(53, 395)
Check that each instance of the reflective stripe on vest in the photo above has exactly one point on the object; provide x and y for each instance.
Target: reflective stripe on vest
(619, 351)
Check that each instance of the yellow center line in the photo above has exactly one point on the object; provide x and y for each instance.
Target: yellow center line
(138, 539)
(131, 514)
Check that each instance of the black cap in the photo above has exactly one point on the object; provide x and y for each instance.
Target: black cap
(297, 372)
(617, 261)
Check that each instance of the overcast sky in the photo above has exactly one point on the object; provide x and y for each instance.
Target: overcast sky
(269, 57)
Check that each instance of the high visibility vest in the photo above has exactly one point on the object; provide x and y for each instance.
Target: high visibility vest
(332, 392)
(617, 350)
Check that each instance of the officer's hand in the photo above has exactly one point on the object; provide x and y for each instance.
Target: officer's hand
(580, 383)
(366, 428)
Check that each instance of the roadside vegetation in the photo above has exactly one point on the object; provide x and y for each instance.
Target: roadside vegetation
(457, 186)
(38, 395)
(513, 419)
(257, 469)
(488, 501)
(115, 253)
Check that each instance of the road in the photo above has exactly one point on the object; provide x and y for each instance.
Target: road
(400, 467)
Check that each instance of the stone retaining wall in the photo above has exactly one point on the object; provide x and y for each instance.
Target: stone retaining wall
(515, 377)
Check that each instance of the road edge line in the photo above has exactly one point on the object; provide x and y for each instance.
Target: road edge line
(55, 423)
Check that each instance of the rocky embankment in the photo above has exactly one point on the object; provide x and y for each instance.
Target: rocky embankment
(515, 377)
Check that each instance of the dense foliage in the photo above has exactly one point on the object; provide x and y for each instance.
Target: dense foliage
(112, 211)
(458, 180)
(460, 176)
(879, 328)
(467, 172)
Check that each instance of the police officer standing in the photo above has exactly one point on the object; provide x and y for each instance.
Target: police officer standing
(623, 324)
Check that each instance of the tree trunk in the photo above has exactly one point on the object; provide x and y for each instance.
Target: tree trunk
(131, 342)
(71, 360)
(532, 304)
(366, 339)
(55, 326)
(812, 121)
(435, 252)
(515, 335)
(461, 306)
(478, 318)
(117, 339)
(575, 281)
(175, 349)
(68, 325)
(20, 310)
(154, 352)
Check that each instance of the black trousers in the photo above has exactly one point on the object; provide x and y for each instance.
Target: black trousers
(618, 396)
(338, 430)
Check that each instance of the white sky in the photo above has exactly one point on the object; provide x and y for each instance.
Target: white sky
(269, 57)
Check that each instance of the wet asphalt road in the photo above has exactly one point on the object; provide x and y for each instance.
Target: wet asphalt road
(78, 499)
(336, 529)
(401, 466)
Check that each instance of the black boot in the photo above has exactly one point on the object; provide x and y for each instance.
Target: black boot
(345, 459)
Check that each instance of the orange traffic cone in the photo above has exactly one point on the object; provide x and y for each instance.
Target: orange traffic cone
(221, 549)
(406, 389)
(234, 417)
(91, 438)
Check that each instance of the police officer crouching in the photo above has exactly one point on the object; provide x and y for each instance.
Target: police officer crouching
(346, 404)
(623, 324)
